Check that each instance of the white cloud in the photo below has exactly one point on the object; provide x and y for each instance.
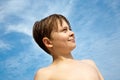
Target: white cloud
(4, 45)
(21, 28)
(21, 10)
(62, 7)
(30, 15)
(25, 60)
(90, 42)
(12, 7)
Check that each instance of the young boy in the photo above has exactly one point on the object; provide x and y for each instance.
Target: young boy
(53, 34)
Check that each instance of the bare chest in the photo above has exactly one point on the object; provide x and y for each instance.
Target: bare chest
(75, 73)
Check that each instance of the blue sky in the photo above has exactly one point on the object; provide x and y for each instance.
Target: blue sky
(96, 24)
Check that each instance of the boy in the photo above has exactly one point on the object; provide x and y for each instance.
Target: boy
(53, 34)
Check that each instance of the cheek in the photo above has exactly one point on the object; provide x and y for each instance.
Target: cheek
(60, 41)
(60, 37)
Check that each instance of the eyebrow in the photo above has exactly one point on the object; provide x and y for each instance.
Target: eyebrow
(67, 27)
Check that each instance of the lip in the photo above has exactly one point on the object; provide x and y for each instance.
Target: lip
(72, 40)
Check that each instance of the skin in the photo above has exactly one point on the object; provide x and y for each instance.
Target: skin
(64, 67)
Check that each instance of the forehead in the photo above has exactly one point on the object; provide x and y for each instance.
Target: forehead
(61, 23)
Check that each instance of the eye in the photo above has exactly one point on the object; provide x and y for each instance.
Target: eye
(65, 30)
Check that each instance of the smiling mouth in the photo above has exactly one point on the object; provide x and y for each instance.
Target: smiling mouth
(73, 40)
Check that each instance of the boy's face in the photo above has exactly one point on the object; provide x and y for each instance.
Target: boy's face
(63, 40)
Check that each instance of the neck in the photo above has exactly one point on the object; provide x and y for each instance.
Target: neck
(62, 58)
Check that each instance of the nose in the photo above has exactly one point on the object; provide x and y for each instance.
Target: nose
(71, 33)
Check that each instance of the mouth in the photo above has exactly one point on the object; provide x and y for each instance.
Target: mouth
(72, 40)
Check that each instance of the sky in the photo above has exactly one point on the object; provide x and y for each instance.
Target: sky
(96, 24)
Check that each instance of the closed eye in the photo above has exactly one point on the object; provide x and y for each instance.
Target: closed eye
(65, 30)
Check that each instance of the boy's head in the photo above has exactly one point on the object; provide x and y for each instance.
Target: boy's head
(45, 27)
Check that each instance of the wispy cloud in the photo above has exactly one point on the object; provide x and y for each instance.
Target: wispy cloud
(11, 7)
(23, 9)
(96, 26)
(4, 45)
(17, 8)
(63, 7)
(20, 28)
(25, 62)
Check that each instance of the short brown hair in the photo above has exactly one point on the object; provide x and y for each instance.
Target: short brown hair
(44, 27)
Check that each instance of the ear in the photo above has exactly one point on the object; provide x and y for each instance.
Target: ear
(47, 42)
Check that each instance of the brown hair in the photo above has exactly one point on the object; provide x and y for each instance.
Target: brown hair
(44, 28)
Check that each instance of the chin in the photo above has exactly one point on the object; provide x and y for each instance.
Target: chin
(73, 47)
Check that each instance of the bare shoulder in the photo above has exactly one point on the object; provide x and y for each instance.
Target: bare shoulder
(42, 74)
(93, 64)
(90, 62)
